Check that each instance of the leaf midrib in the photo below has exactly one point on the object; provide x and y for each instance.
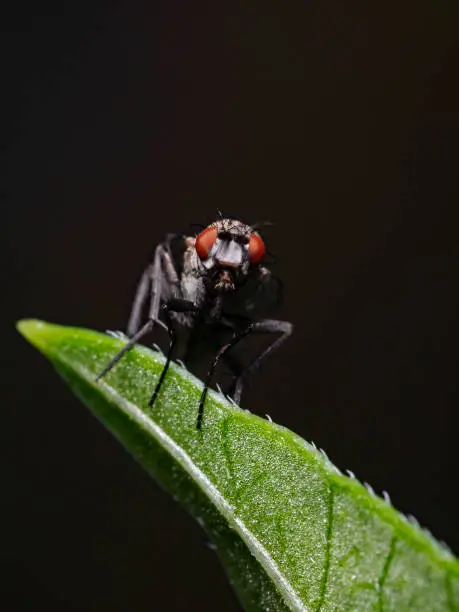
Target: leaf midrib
(212, 492)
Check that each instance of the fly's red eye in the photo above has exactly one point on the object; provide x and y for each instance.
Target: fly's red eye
(205, 241)
(256, 249)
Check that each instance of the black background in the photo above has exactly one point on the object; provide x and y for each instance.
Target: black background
(336, 120)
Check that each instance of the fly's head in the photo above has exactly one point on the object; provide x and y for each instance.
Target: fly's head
(227, 251)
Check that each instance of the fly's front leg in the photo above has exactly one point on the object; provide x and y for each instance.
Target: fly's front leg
(270, 326)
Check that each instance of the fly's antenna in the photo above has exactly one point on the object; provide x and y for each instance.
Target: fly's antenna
(270, 258)
(258, 224)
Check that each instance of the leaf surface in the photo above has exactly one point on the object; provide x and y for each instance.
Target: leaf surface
(291, 531)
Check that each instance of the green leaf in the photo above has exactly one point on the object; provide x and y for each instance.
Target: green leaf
(290, 530)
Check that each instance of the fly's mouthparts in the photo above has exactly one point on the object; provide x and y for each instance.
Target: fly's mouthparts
(227, 264)
(225, 281)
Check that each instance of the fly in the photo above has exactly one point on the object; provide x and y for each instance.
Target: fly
(215, 286)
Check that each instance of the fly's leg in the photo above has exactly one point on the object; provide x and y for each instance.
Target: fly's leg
(139, 300)
(172, 342)
(236, 368)
(237, 337)
(173, 305)
(142, 331)
(161, 277)
(270, 326)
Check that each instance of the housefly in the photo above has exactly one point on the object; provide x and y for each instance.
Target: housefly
(217, 288)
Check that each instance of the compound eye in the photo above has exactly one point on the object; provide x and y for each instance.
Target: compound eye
(205, 241)
(256, 249)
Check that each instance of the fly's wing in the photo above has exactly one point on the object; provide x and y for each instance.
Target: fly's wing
(175, 245)
(158, 284)
(173, 248)
(259, 296)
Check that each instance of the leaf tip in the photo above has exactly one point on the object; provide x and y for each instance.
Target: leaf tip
(33, 330)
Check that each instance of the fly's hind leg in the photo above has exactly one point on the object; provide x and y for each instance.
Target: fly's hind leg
(270, 326)
(161, 280)
(236, 369)
(237, 337)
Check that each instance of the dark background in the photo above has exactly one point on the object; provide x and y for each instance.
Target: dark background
(339, 122)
